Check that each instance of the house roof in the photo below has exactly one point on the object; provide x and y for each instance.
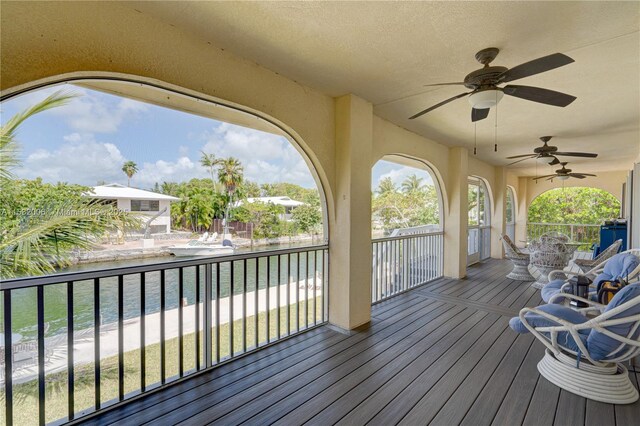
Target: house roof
(280, 201)
(114, 191)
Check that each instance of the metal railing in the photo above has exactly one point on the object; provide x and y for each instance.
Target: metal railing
(485, 244)
(577, 232)
(105, 336)
(404, 262)
(511, 230)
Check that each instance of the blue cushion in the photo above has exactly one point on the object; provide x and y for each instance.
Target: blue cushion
(551, 289)
(600, 346)
(619, 266)
(564, 338)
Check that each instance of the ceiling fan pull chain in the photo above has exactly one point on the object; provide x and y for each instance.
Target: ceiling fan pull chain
(475, 138)
(495, 133)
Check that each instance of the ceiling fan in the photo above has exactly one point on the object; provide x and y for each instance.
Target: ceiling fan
(484, 83)
(548, 151)
(564, 174)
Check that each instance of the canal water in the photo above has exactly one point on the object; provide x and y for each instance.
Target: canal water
(24, 301)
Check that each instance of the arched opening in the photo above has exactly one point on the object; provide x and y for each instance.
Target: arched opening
(99, 171)
(511, 213)
(406, 197)
(406, 225)
(479, 221)
(577, 212)
(173, 144)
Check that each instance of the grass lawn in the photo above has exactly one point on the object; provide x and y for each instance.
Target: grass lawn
(25, 403)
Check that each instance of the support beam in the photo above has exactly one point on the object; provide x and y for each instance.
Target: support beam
(455, 236)
(350, 235)
(522, 211)
(499, 216)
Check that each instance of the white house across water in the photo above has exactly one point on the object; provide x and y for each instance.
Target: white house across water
(147, 203)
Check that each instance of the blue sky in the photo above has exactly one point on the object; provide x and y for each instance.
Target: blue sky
(89, 139)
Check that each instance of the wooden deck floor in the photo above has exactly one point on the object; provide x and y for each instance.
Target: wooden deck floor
(442, 354)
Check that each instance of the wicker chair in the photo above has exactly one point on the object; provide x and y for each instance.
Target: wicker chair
(549, 253)
(520, 261)
(586, 265)
(585, 355)
(624, 265)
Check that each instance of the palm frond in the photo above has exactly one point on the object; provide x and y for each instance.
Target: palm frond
(45, 243)
(9, 146)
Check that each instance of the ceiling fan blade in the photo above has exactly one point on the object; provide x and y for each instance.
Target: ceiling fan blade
(479, 114)
(517, 161)
(538, 94)
(546, 63)
(438, 105)
(457, 83)
(554, 161)
(523, 155)
(577, 154)
(582, 175)
(542, 177)
(552, 178)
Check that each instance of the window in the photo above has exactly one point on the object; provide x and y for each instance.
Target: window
(145, 205)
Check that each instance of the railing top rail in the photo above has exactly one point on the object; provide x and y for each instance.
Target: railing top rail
(405, 237)
(25, 282)
(562, 224)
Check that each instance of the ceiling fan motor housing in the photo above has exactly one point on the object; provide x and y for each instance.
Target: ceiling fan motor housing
(487, 76)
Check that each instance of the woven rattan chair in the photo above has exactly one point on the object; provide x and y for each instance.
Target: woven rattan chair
(585, 355)
(624, 265)
(520, 261)
(586, 265)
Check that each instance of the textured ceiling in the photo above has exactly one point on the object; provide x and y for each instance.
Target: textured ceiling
(386, 52)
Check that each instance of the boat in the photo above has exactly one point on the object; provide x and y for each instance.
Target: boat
(202, 248)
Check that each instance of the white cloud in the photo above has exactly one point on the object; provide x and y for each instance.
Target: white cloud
(183, 169)
(266, 157)
(80, 160)
(90, 112)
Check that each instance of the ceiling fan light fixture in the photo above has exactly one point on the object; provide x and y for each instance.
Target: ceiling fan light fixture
(563, 177)
(485, 98)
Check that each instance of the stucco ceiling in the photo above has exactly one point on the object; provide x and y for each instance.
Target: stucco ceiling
(386, 52)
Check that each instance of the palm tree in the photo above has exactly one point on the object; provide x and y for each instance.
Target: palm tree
(386, 186)
(209, 161)
(411, 183)
(9, 146)
(230, 174)
(37, 244)
(129, 168)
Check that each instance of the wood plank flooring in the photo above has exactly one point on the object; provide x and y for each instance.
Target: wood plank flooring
(442, 354)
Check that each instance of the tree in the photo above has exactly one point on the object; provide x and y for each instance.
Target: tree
(386, 186)
(574, 205)
(9, 147)
(411, 184)
(129, 168)
(209, 161)
(264, 216)
(230, 174)
(250, 189)
(307, 218)
(42, 223)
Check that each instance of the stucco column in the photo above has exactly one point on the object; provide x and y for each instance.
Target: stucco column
(522, 210)
(455, 224)
(499, 216)
(350, 237)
